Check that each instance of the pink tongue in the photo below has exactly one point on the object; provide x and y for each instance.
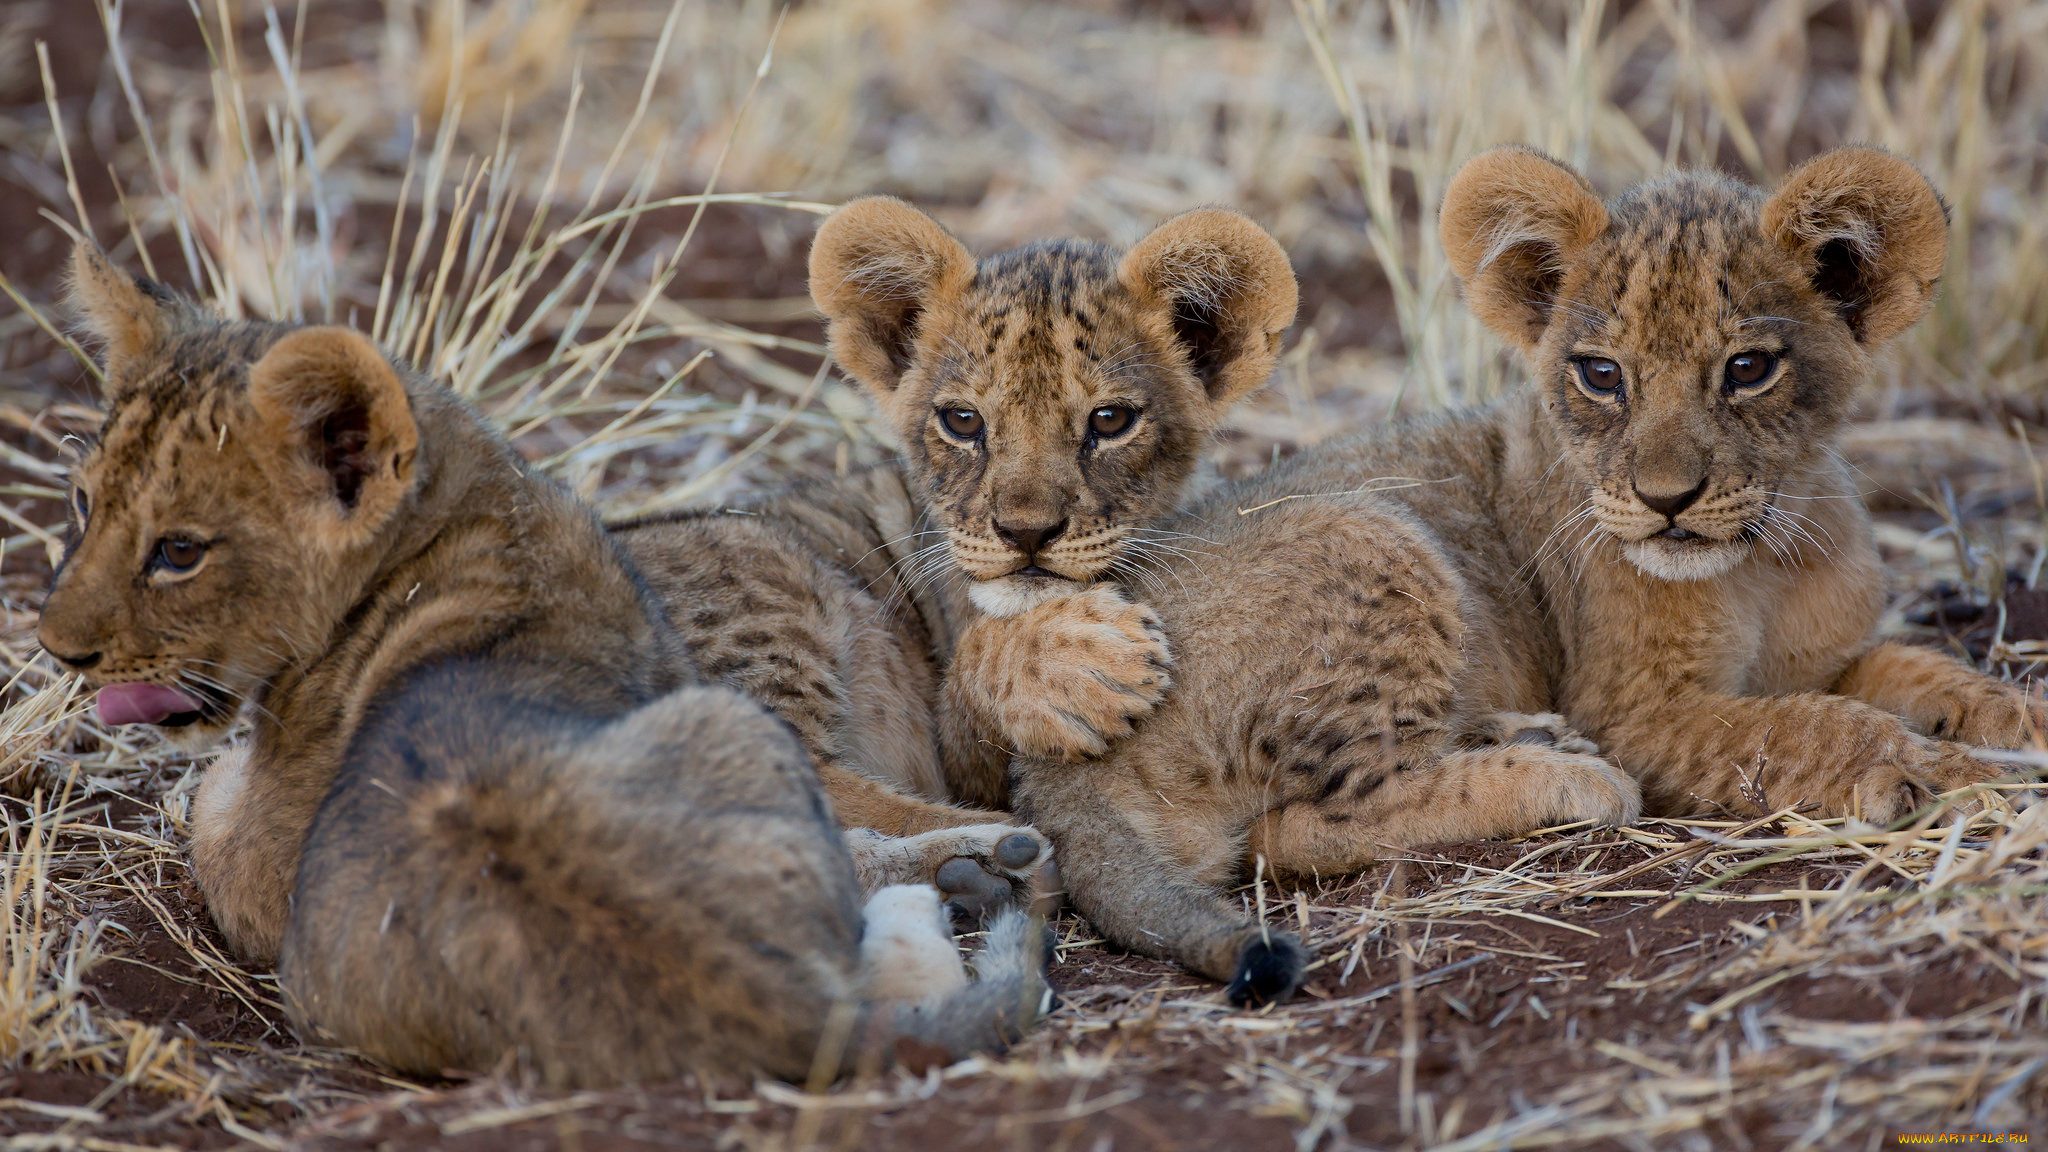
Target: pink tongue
(142, 703)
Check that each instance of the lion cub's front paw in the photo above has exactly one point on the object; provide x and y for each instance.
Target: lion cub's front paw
(1067, 677)
(1585, 787)
(1992, 714)
(1945, 767)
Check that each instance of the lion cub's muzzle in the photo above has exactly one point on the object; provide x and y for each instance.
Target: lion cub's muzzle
(1695, 534)
(194, 711)
(1057, 552)
(1015, 570)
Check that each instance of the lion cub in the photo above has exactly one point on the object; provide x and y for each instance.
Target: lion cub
(490, 810)
(1668, 549)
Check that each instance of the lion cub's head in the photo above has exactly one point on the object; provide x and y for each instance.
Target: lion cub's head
(1698, 341)
(1053, 399)
(243, 474)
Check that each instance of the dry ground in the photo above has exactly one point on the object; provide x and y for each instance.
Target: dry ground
(511, 192)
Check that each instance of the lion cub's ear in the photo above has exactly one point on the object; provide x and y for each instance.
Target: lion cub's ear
(338, 412)
(1231, 292)
(878, 267)
(1872, 233)
(129, 316)
(1513, 220)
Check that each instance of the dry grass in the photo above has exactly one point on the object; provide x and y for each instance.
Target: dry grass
(534, 198)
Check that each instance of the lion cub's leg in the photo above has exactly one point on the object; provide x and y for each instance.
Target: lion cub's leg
(1945, 698)
(247, 896)
(1469, 794)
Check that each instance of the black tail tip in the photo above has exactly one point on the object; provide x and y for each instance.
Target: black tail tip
(1268, 970)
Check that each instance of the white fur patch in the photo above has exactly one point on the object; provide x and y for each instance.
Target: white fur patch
(1684, 560)
(220, 790)
(907, 952)
(1015, 595)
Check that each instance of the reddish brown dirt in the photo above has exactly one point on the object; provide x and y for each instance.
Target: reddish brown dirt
(1494, 1034)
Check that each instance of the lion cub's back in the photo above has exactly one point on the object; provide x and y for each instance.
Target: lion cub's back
(1431, 485)
(800, 603)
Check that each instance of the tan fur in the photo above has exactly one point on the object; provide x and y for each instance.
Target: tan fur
(488, 812)
(1337, 697)
(1737, 670)
(1066, 677)
(799, 598)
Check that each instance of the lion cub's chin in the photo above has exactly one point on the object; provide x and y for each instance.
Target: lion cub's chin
(1007, 596)
(1685, 559)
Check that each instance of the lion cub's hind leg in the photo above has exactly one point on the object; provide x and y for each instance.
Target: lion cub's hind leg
(980, 868)
(1469, 794)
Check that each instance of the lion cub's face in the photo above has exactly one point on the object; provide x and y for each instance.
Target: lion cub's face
(239, 467)
(1699, 343)
(1052, 400)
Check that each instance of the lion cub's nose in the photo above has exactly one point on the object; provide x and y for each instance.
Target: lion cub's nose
(1671, 505)
(1029, 538)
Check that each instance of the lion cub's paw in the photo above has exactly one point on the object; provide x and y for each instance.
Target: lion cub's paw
(1944, 767)
(1546, 729)
(980, 868)
(1067, 677)
(1881, 793)
(1585, 787)
(1992, 714)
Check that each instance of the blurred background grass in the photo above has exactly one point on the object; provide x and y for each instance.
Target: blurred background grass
(276, 153)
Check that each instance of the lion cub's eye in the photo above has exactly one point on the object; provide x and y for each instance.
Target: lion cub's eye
(1113, 420)
(81, 505)
(1600, 378)
(965, 423)
(179, 554)
(1750, 368)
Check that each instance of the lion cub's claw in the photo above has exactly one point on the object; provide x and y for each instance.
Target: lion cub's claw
(1068, 677)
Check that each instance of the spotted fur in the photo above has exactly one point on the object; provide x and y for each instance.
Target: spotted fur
(1039, 498)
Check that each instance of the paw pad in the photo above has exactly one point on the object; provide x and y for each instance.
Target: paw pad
(969, 888)
(1014, 851)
